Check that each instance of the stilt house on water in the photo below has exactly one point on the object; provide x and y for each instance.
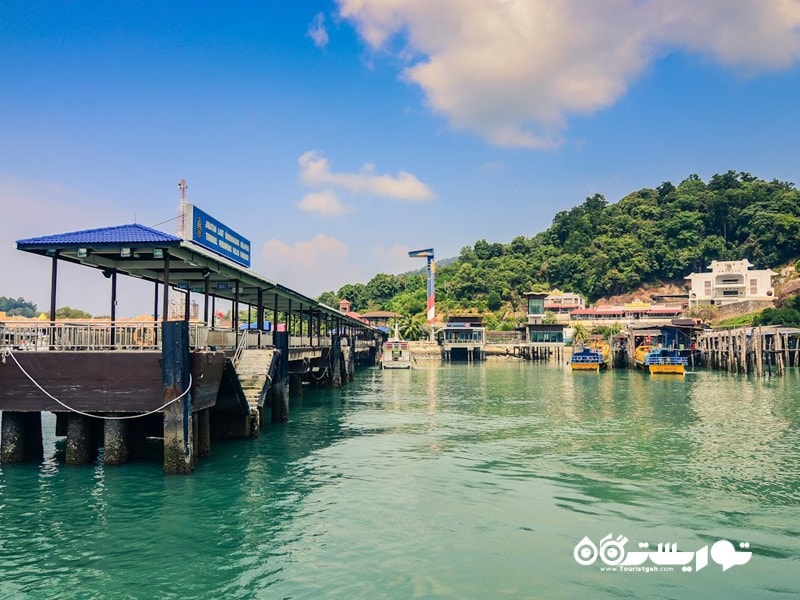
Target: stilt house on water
(463, 338)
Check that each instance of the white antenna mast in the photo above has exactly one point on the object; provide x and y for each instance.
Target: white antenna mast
(182, 209)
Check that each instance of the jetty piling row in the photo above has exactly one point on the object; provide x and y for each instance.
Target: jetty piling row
(762, 351)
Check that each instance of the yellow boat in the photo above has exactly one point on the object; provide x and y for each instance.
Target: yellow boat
(657, 360)
(592, 357)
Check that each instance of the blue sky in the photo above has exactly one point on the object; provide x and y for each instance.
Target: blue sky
(338, 135)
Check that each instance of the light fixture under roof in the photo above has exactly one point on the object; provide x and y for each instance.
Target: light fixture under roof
(158, 253)
(125, 252)
(82, 253)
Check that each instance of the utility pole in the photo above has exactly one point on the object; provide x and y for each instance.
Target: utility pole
(428, 253)
(182, 210)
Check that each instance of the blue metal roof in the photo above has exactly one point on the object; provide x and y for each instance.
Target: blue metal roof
(120, 234)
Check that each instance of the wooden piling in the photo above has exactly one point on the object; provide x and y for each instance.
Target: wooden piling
(203, 439)
(280, 381)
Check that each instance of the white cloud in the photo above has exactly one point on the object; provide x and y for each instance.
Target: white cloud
(318, 32)
(514, 70)
(310, 267)
(324, 203)
(315, 171)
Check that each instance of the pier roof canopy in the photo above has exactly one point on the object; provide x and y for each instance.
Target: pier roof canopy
(146, 253)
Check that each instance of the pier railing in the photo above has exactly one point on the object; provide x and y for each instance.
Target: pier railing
(105, 335)
(138, 336)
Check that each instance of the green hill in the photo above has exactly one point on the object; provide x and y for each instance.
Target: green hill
(601, 249)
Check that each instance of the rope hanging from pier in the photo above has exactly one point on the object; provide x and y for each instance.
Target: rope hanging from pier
(7, 352)
(321, 377)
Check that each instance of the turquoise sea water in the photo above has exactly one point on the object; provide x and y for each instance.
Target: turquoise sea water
(447, 481)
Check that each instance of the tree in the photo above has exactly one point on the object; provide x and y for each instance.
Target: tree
(65, 312)
(494, 302)
(19, 307)
(580, 335)
(329, 298)
(413, 327)
(356, 294)
(380, 290)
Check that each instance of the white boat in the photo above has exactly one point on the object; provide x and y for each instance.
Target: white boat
(396, 353)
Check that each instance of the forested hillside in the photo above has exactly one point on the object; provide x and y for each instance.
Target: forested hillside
(601, 249)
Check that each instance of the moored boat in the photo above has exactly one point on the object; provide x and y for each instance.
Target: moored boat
(396, 353)
(591, 357)
(656, 359)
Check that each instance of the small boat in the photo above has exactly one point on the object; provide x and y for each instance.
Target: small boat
(396, 353)
(592, 357)
(656, 359)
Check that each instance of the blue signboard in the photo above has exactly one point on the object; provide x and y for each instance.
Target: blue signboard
(211, 234)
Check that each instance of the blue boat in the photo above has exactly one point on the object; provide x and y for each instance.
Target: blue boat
(595, 356)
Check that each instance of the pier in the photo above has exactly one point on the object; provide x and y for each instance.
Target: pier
(762, 351)
(116, 384)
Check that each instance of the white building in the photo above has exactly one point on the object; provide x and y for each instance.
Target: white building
(730, 281)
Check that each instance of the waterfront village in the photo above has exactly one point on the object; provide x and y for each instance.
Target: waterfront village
(557, 321)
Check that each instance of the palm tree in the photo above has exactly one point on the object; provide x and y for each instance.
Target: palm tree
(580, 334)
(413, 327)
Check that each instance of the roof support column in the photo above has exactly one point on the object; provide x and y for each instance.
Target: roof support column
(155, 313)
(165, 305)
(205, 299)
(113, 307)
(155, 301)
(235, 316)
(53, 286)
(260, 309)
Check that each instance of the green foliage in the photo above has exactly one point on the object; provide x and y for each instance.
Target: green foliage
(740, 321)
(491, 321)
(580, 335)
(607, 331)
(601, 249)
(787, 314)
(414, 328)
(65, 312)
(356, 294)
(494, 302)
(18, 308)
(329, 298)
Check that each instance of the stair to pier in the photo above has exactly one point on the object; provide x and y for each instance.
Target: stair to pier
(254, 370)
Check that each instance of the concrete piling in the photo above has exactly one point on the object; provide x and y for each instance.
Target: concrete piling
(21, 437)
(115, 442)
(81, 447)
